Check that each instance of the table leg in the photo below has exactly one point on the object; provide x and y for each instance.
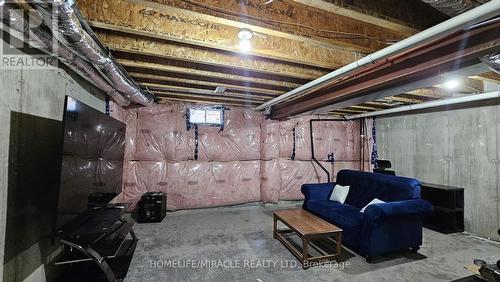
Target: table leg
(339, 246)
(275, 226)
(305, 244)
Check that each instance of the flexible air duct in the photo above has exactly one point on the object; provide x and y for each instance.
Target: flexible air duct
(70, 32)
(456, 7)
(39, 36)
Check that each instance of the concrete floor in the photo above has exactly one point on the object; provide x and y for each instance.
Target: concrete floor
(238, 243)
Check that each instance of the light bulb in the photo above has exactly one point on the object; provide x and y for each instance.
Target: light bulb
(452, 84)
(245, 45)
(245, 34)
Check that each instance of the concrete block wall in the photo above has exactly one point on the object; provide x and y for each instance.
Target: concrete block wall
(455, 146)
(40, 93)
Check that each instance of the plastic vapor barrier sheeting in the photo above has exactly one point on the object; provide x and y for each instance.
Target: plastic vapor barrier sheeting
(249, 160)
(209, 184)
(270, 181)
(296, 173)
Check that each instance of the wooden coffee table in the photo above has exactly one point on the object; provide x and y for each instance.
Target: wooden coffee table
(307, 226)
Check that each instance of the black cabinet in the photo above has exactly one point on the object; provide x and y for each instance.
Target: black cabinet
(448, 203)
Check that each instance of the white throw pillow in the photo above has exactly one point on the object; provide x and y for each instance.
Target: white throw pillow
(374, 201)
(339, 193)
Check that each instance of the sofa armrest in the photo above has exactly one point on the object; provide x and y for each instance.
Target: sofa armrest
(317, 191)
(416, 207)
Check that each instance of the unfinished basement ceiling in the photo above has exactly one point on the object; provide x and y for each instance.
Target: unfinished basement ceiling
(185, 49)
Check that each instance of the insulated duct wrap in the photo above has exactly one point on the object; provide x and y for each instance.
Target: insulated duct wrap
(238, 164)
(67, 28)
(41, 38)
(492, 61)
(76, 38)
(456, 7)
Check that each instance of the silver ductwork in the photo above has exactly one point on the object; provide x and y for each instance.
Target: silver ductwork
(40, 36)
(492, 61)
(85, 44)
(78, 47)
(456, 7)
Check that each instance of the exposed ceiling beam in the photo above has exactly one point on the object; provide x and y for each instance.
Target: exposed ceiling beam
(203, 97)
(171, 88)
(403, 87)
(187, 27)
(167, 50)
(488, 76)
(334, 8)
(209, 74)
(141, 77)
(403, 100)
(166, 99)
(454, 52)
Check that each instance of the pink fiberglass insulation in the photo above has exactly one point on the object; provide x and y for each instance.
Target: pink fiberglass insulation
(342, 138)
(339, 137)
(154, 136)
(270, 181)
(296, 173)
(129, 117)
(209, 184)
(240, 139)
(270, 140)
(140, 177)
(162, 134)
(239, 164)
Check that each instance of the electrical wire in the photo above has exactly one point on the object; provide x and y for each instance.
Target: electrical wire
(354, 36)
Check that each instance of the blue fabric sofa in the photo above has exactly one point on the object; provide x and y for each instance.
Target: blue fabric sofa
(383, 228)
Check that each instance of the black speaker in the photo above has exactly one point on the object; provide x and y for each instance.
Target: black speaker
(152, 207)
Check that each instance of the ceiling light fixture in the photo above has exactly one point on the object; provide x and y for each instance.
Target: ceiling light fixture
(245, 45)
(451, 84)
(245, 34)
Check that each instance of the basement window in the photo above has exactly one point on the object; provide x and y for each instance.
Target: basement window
(212, 116)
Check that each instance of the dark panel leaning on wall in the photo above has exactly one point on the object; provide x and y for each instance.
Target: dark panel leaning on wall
(33, 184)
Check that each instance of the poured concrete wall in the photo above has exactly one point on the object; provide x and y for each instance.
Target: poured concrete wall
(456, 146)
(39, 93)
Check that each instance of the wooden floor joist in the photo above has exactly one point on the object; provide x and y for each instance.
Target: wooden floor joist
(205, 98)
(211, 74)
(169, 88)
(155, 48)
(141, 77)
(210, 102)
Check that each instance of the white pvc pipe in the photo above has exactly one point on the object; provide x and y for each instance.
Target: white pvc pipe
(426, 105)
(483, 12)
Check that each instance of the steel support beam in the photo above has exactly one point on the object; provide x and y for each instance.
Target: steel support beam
(433, 59)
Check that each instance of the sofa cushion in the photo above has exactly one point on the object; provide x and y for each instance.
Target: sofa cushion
(320, 207)
(374, 201)
(342, 215)
(346, 217)
(339, 193)
(365, 186)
